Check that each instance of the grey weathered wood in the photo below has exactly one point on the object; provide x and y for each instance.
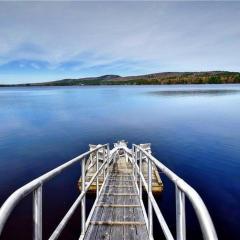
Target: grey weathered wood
(118, 205)
(120, 223)
(129, 231)
(120, 194)
(117, 231)
(119, 171)
(118, 214)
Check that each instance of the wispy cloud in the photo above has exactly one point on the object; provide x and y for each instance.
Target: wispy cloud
(58, 39)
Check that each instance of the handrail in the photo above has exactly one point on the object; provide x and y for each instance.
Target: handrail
(136, 154)
(66, 218)
(165, 228)
(36, 187)
(182, 189)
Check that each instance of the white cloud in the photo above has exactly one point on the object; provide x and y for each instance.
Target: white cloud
(174, 35)
(35, 65)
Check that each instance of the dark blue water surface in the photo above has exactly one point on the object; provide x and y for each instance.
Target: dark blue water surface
(194, 130)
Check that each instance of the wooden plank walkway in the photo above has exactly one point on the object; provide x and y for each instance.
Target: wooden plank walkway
(157, 185)
(118, 214)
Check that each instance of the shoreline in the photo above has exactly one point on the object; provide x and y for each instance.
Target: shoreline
(163, 78)
(94, 85)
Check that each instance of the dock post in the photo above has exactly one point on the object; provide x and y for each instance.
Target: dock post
(140, 180)
(83, 202)
(108, 158)
(91, 159)
(37, 213)
(97, 167)
(180, 215)
(133, 160)
(104, 173)
(150, 220)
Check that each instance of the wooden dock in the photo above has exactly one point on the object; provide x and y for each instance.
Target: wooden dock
(157, 185)
(118, 213)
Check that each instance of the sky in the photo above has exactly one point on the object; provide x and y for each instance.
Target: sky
(44, 41)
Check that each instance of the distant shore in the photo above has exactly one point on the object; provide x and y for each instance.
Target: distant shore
(165, 78)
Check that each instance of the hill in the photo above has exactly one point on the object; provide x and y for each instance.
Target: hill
(211, 77)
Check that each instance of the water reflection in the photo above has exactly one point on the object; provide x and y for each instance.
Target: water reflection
(195, 92)
(191, 131)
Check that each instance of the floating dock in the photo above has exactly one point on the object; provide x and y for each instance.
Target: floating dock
(118, 210)
(157, 185)
(118, 178)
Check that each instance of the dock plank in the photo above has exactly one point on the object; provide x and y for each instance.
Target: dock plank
(124, 170)
(118, 214)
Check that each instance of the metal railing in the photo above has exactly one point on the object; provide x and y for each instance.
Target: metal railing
(137, 155)
(182, 190)
(36, 186)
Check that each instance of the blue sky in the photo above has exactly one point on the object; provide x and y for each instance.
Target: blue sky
(43, 41)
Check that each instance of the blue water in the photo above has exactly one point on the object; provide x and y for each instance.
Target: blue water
(194, 130)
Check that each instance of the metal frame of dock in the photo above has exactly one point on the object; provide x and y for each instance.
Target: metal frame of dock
(118, 211)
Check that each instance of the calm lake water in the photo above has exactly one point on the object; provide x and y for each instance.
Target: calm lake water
(194, 130)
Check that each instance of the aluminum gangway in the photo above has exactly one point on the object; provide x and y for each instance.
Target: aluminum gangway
(118, 211)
